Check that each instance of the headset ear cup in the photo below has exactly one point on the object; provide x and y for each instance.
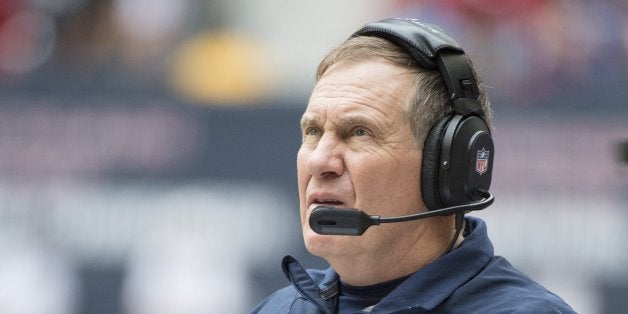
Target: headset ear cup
(468, 144)
(430, 165)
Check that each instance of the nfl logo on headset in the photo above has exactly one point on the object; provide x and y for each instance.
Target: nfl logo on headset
(481, 161)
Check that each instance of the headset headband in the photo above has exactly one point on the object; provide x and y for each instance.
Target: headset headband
(432, 48)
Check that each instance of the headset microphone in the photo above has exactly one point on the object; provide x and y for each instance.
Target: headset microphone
(329, 220)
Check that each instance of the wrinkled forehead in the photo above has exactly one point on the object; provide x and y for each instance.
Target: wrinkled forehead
(372, 79)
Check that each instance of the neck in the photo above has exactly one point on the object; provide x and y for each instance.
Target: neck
(410, 248)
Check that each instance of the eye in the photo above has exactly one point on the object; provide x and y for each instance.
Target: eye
(311, 131)
(361, 132)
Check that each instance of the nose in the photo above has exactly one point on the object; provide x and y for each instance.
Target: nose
(326, 159)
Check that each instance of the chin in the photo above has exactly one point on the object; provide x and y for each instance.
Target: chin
(325, 245)
(315, 242)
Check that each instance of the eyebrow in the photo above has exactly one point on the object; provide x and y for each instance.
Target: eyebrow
(346, 121)
(308, 121)
(351, 120)
(358, 120)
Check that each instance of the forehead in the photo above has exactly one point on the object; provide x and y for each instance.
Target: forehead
(363, 86)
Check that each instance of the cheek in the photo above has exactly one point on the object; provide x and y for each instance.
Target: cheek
(391, 184)
(302, 179)
(302, 174)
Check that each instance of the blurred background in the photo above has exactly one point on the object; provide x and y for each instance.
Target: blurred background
(147, 147)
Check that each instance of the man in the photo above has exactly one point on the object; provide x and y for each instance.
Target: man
(397, 125)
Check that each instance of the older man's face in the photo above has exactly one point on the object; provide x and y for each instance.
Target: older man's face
(358, 152)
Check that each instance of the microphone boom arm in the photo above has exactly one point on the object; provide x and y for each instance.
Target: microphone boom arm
(336, 221)
(486, 202)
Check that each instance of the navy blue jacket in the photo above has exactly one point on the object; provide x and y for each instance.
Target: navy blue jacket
(469, 279)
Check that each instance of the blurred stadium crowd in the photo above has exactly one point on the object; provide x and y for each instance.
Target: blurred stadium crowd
(147, 146)
(529, 50)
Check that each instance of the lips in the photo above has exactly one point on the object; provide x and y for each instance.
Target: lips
(332, 202)
(325, 200)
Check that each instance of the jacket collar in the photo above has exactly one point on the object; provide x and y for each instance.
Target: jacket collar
(322, 290)
(425, 289)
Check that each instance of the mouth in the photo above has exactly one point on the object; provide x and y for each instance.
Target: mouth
(326, 198)
(327, 202)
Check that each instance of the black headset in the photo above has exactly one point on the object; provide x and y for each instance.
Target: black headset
(458, 151)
